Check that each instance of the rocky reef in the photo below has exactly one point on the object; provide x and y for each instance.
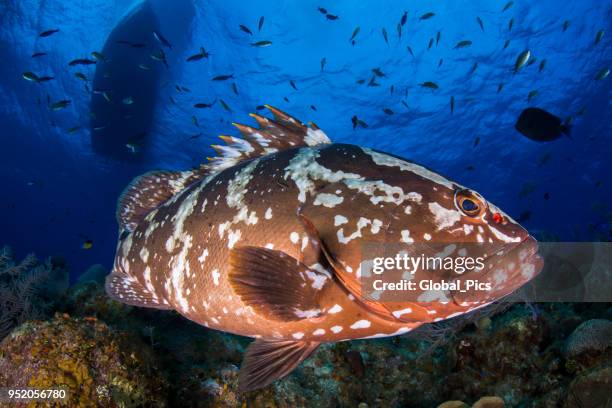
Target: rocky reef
(95, 365)
(110, 354)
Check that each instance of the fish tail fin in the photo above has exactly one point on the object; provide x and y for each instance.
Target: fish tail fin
(147, 192)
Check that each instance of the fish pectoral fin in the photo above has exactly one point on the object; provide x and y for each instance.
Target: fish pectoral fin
(275, 284)
(126, 289)
(149, 191)
(266, 361)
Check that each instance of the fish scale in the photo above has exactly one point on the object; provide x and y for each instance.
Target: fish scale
(265, 241)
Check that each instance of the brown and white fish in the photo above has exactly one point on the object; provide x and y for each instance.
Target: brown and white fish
(266, 241)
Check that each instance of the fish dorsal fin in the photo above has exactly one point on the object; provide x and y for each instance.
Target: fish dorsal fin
(275, 284)
(268, 360)
(149, 191)
(273, 135)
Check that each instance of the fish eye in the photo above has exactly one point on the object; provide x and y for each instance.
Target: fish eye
(469, 203)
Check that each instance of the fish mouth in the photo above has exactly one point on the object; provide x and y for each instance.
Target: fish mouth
(506, 270)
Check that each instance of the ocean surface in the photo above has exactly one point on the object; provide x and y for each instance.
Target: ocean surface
(59, 189)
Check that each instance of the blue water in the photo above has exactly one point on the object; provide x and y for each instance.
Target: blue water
(58, 191)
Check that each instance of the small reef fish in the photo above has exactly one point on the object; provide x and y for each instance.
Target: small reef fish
(599, 36)
(81, 76)
(358, 122)
(265, 241)
(223, 77)
(480, 23)
(430, 85)
(262, 43)
(198, 56)
(602, 74)
(224, 105)
(521, 60)
(378, 72)
(98, 56)
(81, 61)
(59, 105)
(541, 126)
(131, 44)
(566, 25)
(260, 23)
(30, 76)
(161, 39)
(542, 65)
(245, 29)
(133, 147)
(203, 105)
(427, 16)
(38, 54)
(48, 33)
(160, 56)
(355, 32)
(463, 44)
(88, 244)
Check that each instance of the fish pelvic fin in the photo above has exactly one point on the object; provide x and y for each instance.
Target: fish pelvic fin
(275, 284)
(149, 191)
(126, 289)
(266, 361)
(280, 133)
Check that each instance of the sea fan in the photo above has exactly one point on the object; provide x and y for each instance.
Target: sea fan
(21, 287)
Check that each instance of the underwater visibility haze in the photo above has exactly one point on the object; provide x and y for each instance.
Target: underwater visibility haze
(473, 128)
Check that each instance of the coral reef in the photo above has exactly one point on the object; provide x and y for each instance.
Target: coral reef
(484, 402)
(517, 358)
(591, 389)
(96, 366)
(592, 335)
(28, 289)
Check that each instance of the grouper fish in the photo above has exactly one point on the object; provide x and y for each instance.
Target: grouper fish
(266, 241)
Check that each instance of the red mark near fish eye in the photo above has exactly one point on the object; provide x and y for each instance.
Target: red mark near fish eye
(498, 218)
